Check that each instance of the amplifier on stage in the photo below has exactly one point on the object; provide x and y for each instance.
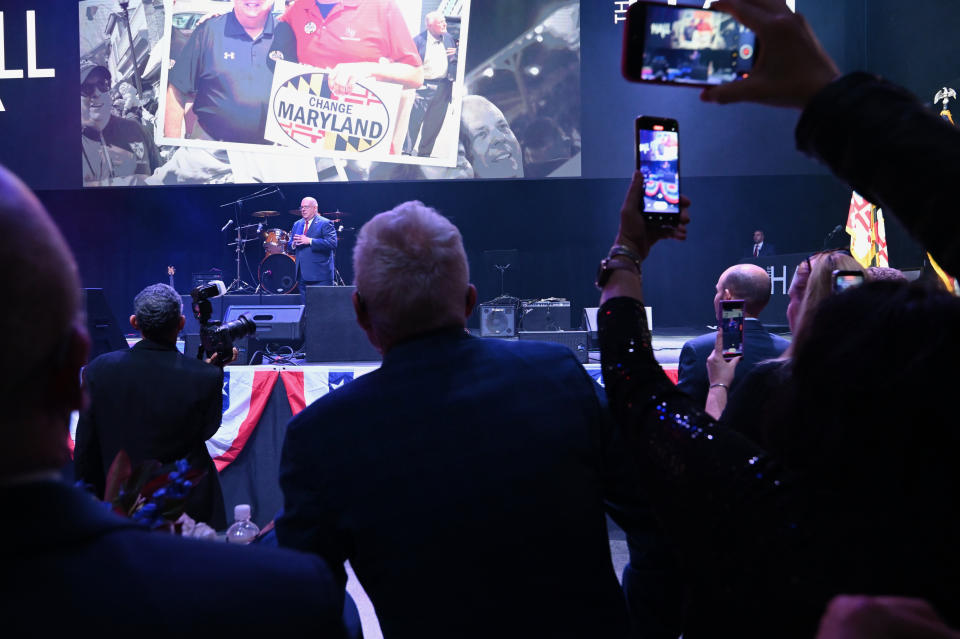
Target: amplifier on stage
(550, 314)
(576, 341)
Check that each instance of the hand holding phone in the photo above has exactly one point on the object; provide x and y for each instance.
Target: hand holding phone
(843, 280)
(657, 149)
(794, 66)
(731, 327)
(685, 45)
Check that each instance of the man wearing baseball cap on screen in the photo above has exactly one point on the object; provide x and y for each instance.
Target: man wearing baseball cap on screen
(115, 151)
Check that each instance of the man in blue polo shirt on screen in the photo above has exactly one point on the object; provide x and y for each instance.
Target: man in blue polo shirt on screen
(226, 69)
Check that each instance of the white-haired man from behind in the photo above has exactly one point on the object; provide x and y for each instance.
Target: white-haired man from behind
(412, 270)
(495, 451)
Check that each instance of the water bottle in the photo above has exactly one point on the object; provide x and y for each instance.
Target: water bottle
(243, 531)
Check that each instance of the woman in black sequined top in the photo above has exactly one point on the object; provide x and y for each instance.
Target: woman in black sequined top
(866, 501)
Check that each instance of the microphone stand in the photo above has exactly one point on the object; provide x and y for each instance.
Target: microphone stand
(829, 238)
(238, 285)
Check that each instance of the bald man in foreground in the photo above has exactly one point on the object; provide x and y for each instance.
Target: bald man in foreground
(747, 282)
(69, 563)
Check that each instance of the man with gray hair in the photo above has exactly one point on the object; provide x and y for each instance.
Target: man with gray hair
(457, 446)
(747, 282)
(153, 403)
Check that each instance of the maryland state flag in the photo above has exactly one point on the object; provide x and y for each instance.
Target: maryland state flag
(868, 236)
(944, 95)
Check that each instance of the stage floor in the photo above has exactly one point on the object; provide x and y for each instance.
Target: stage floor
(667, 343)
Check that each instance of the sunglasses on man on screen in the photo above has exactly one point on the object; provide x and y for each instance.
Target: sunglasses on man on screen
(87, 88)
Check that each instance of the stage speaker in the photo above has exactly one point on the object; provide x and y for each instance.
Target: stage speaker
(105, 331)
(576, 341)
(545, 315)
(274, 322)
(590, 324)
(498, 320)
(332, 332)
(220, 304)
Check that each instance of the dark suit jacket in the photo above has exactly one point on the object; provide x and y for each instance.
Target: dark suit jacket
(154, 403)
(316, 261)
(448, 43)
(766, 249)
(69, 564)
(464, 480)
(758, 345)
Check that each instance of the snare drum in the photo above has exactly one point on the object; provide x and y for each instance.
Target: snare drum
(278, 273)
(275, 241)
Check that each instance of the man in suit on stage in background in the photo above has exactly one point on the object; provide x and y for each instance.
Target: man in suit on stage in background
(314, 242)
(68, 562)
(761, 248)
(750, 283)
(438, 50)
(153, 403)
(496, 448)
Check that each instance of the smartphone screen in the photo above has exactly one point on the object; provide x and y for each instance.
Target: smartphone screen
(658, 159)
(731, 322)
(685, 45)
(842, 280)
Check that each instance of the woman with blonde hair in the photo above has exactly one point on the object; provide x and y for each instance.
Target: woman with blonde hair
(747, 406)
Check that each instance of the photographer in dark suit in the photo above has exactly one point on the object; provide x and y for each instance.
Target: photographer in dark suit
(153, 403)
(438, 50)
(750, 283)
(314, 242)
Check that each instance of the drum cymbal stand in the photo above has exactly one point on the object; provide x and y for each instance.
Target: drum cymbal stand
(238, 285)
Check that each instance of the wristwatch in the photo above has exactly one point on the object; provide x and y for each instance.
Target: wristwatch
(619, 258)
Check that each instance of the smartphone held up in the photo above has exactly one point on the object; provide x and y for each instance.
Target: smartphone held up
(731, 325)
(657, 147)
(843, 280)
(685, 45)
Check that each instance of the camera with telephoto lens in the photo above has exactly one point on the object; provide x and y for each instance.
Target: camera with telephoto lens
(216, 337)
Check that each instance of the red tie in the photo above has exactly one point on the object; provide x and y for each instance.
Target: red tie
(756, 250)
(306, 227)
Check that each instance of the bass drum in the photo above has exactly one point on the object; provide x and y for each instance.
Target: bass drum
(278, 274)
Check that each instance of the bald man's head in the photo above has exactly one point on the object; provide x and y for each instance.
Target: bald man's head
(747, 282)
(48, 343)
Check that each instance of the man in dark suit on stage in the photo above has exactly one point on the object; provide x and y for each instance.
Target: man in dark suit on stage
(495, 451)
(153, 403)
(68, 562)
(438, 50)
(761, 248)
(750, 283)
(314, 242)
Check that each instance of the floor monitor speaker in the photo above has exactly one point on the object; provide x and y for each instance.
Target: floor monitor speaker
(105, 330)
(332, 332)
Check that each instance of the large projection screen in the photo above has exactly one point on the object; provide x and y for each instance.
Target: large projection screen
(325, 99)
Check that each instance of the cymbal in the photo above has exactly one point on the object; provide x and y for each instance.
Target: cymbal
(265, 213)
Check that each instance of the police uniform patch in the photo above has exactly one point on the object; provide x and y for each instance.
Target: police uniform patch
(276, 55)
(310, 27)
(138, 149)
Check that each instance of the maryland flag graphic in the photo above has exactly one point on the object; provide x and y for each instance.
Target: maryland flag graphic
(868, 237)
(306, 113)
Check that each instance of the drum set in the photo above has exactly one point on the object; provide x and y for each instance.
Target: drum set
(277, 273)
